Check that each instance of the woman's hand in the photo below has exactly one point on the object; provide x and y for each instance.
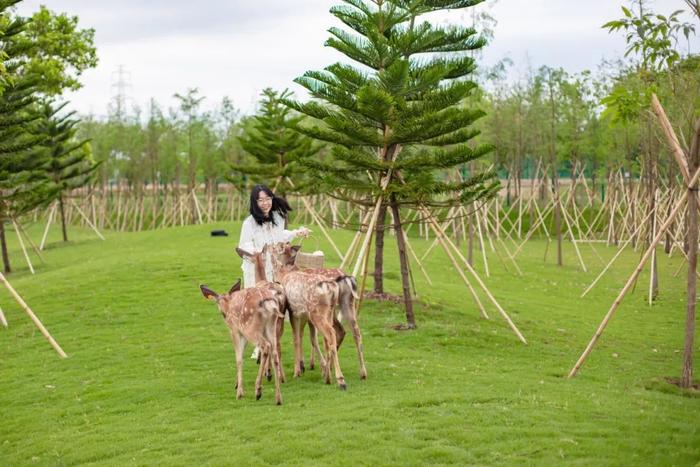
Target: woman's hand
(303, 232)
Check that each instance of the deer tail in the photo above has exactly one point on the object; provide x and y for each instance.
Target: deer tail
(272, 306)
(350, 283)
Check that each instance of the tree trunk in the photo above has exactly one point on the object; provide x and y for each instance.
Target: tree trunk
(508, 190)
(379, 251)
(63, 218)
(3, 243)
(557, 222)
(403, 258)
(693, 163)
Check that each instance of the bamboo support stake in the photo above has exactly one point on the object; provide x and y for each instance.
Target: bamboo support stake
(3, 321)
(653, 257)
(632, 278)
(415, 258)
(48, 224)
(88, 220)
(511, 257)
(363, 278)
(318, 221)
(349, 254)
(481, 240)
(671, 136)
(573, 239)
(21, 244)
(33, 317)
(445, 225)
(196, 206)
(485, 220)
(479, 281)
(439, 236)
(29, 240)
(610, 263)
(368, 236)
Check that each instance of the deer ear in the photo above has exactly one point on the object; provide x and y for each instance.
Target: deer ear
(208, 293)
(236, 287)
(244, 254)
(296, 248)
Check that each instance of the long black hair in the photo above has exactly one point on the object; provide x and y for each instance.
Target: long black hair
(279, 205)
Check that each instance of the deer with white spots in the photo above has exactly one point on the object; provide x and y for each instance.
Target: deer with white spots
(346, 297)
(310, 298)
(252, 315)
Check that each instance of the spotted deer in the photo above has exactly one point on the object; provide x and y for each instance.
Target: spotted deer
(252, 315)
(260, 275)
(347, 296)
(310, 298)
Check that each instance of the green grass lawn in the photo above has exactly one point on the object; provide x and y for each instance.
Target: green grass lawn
(151, 370)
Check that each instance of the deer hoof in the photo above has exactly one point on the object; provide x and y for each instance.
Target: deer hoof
(301, 365)
(343, 387)
(269, 376)
(258, 395)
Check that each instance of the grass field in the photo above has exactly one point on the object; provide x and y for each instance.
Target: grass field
(150, 374)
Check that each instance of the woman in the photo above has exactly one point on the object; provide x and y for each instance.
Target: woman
(264, 226)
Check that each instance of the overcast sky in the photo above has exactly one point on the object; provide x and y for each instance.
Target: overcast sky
(236, 48)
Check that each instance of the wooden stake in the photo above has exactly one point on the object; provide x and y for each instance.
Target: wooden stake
(87, 220)
(479, 281)
(33, 317)
(31, 243)
(439, 236)
(481, 240)
(318, 221)
(3, 321)
(571, 234)
(368, 236)
(632, 278)
(48, 224)
(21, 244)
(610, 263)
(350, 253)
(415, 258)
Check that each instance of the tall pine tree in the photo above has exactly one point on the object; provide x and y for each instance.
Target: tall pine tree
(397, 119)
(276, 147)
(22, 185)
(69, 163)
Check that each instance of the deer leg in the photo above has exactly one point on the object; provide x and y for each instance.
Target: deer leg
(275, 359)
(331, 348)
(318, 325)
(339, 332)
(357, 336)
(264, 362)
(297, 331)
(279, 330)
(313, 339)
(238, 347)
(327, 363)
(315, 350)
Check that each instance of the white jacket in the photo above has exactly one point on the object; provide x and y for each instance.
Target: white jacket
(254, 237)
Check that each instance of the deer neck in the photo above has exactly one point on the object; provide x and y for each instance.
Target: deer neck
(281, 271)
